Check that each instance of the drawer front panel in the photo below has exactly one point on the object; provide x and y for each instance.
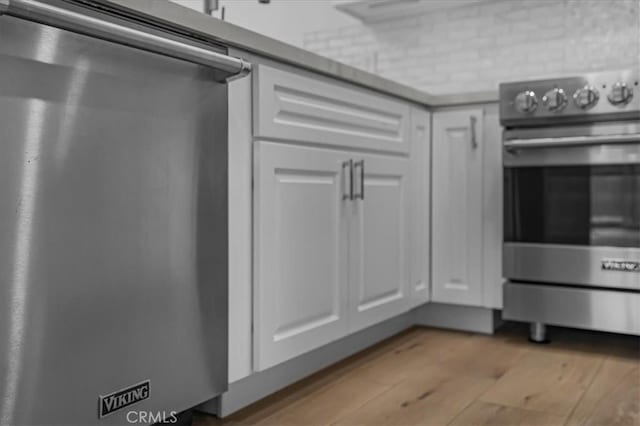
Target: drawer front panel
(308, 110)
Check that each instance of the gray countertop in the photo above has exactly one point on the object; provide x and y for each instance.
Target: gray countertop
(232, 35)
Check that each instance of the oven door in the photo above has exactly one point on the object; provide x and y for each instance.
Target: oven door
(572, 206)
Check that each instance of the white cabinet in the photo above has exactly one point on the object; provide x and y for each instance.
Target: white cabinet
(379, 235)
(467, 207)
(457, 206)
(331, 246)
(301, 249)
(341, 211)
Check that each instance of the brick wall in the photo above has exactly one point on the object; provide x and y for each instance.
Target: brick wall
(473, 48)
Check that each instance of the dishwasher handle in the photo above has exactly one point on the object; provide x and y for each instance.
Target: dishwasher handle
(61, 17)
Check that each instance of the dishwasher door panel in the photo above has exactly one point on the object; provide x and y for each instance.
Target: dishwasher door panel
(113, 227)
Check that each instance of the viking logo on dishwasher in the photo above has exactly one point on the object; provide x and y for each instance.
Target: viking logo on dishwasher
(620, 265)
(123, 398)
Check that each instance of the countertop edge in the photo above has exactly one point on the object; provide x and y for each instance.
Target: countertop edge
(234, 36)
(454, 99)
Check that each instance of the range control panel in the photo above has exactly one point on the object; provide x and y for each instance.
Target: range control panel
(595, 96)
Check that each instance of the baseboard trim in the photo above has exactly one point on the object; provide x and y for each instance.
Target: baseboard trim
(261, 384)
(458, 317)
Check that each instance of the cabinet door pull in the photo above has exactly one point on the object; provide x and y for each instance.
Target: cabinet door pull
(347, 187)
(356, 165)
(474, 139)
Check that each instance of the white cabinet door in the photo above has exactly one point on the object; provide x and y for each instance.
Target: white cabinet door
(300, 231)
(379, 239)
(420, 172)
(457, 207)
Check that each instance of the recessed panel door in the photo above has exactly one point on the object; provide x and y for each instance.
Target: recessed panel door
(379, 240)
(300, 251)
(457, 208)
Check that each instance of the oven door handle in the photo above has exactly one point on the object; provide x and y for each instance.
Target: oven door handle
(516, 144)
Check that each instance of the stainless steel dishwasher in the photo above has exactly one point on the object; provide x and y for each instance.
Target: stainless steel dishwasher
(113, 216)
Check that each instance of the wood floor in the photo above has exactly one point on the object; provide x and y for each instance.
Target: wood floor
(435, 377)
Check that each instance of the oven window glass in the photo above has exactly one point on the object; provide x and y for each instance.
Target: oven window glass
(579, 205)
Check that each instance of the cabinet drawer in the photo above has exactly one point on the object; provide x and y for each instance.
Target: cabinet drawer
(308, 110)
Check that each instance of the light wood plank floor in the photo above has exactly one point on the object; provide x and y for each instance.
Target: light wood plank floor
(427, 376)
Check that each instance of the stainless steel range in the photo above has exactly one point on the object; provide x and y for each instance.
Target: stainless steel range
(572, 202)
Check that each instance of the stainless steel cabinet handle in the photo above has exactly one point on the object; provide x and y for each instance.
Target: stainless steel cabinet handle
(62, 17)
(347, 186)
(474, 139)
(356, 165)
(362, 180)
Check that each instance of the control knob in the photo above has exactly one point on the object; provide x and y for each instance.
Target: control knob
(526, 101)
(555, 100)
(586, 97)
(620, 94)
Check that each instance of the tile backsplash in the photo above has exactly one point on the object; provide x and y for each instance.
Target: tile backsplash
(475, 47)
